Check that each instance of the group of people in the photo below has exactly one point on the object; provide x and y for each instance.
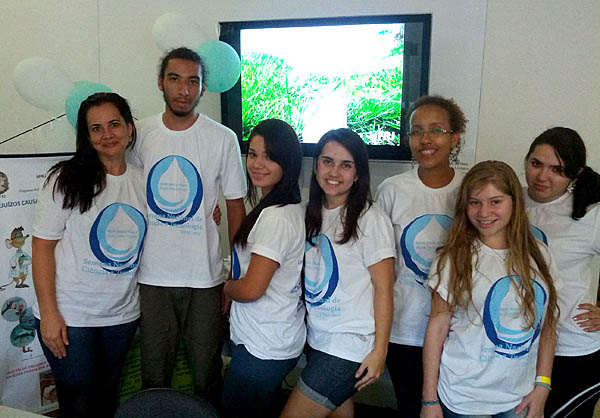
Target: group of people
(465, 285)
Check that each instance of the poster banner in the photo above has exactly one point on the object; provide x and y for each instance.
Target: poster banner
(25, 379)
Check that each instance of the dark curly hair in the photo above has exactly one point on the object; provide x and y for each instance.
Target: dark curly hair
(458, 121)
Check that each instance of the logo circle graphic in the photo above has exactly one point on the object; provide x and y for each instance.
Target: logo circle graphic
(509, 342)
(317, 290)
(164, 196)
(117, 260)
(235, 265)
(418, 254)
(538, 234)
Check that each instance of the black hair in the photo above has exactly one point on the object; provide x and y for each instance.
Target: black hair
(456, 117)
(359, 197)
(185, 54)
(83, 177)
(282, 146)
(570, 151)
(458, 121)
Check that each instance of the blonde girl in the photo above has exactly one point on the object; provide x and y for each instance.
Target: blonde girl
(490, 339)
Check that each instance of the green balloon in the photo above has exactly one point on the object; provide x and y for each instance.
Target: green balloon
(222, 65)
(82, 90)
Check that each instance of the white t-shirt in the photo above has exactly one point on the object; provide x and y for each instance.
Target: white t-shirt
(575, 246)
(184, 172)
(421, 217)
(272, 327)
(338, 288)
(97, 253)
(489, 360)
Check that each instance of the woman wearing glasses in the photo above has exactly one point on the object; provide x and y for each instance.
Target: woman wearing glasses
(562, 201)
(420, 204)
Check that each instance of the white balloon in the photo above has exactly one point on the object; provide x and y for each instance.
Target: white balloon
(56, 136)
(42, 83)
(174, 30)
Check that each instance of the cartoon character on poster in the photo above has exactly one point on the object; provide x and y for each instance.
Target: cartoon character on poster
(15, 309)
(20, 262)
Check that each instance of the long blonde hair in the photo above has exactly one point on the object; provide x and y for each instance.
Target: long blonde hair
(462, 244)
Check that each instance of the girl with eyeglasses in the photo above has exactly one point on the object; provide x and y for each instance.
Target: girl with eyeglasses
(267, 314)
(492, 326)
(420, 204)
(562, 200)
(348, 281)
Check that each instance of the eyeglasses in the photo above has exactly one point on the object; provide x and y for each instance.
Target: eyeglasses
(433, 133)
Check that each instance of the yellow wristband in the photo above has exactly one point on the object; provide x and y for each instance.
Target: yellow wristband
(543, 379)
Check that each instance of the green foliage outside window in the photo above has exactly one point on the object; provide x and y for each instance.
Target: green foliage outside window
(270, 89)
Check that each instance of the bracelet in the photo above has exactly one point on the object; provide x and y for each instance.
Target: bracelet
(546, 385)
(543, 379)
(427, 403)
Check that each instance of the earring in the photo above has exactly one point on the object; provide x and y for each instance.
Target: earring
(571, 186)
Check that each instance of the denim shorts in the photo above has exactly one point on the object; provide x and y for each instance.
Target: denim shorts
(327, 379)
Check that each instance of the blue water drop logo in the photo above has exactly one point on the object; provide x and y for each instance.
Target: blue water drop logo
(419, 241)
(319, 287)
(510, 342)
(172, 200)
(123, 224)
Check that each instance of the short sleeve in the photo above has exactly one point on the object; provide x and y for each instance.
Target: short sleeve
(384, 197)
(233, 180)
(50, 218)
(273, 236)
(439, 282)
(596, 231)
(376, 236)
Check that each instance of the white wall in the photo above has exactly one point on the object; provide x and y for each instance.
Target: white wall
(541, 69)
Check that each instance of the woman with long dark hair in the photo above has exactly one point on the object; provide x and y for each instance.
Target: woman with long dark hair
(87, 240)
(493, 311)
(562, 202)
(267, 313)
(348, 281)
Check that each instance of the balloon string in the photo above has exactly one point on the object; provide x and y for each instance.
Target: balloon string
(33, 129)
(38, 126)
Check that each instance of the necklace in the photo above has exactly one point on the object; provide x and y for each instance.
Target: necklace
(502, 254)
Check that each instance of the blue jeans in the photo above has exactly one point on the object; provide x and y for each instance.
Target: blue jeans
(87, 379)
(251, 384)
(508, 414)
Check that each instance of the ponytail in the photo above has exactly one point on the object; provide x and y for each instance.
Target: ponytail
(586, 192)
